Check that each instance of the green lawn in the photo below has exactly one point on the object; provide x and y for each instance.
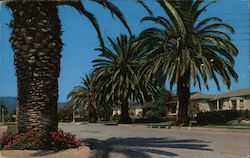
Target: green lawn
(11, 127)
(241, 127)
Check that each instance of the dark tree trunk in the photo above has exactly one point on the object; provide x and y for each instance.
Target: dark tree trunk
(36, 41)
(125, 119)
(92, 114)
(183, 90)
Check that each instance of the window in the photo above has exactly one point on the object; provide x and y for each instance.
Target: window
(241, 104)
(234, 104)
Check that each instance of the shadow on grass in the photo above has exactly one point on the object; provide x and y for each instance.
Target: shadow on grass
(141, 147)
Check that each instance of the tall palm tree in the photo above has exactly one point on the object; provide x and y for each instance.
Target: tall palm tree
(186, 48)
(36, 42)
(116, 74)
(85, 95)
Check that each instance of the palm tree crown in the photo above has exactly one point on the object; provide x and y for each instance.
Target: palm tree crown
(184, 44)
(185, 48)
(116, 72)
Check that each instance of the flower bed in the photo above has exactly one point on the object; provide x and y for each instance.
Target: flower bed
(34, 140)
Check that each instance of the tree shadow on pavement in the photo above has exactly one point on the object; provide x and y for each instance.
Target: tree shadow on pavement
(142, 147)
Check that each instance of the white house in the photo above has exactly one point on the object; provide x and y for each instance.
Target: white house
(234, 99)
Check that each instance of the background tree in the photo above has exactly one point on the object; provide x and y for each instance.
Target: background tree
(36, 42)
(116, 74)
(186, 48)
(65, 113)
(104, 112)
(161, 100)
(85, 95)
(3, 108)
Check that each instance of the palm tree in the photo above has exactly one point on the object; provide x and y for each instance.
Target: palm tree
(116, 74)
(186, 48)
(85, 95)
(36, 42)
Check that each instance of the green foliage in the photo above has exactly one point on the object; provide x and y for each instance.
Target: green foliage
(160, 105)
(117, 73)
(116, 117)
(186, 48)
(221, 117)
(11, 128)
(184, 45)
(193, 110)
(152, 114)
(3, 107)
(85, 96)
(104, 113)
(65, 113)
(80, 7)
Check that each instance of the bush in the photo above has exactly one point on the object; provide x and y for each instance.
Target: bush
(34, 140)
(151, 114)
(221, 117)
(83, 119)
(116, 117)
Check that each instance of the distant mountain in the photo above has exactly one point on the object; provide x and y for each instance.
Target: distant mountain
(10, 103)
(60, 104)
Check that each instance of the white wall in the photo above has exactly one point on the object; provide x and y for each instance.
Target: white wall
(116, 111)
(227, 105)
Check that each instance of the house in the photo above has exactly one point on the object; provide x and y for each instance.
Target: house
(237, 99)
(136, 110)
(234, 99)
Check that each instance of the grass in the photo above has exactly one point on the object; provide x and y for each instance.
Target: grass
(240, 127)
(11, 127)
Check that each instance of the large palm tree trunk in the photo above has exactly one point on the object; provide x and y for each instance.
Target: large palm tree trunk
(183, 90)
(37, 45)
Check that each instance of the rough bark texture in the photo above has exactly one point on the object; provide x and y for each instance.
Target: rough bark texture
(125, 119)
(36, 41)
(183, 90)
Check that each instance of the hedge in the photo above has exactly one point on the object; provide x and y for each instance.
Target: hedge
(221, 117)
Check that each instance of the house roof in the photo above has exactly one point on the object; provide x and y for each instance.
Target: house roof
(194, 96)
(199, 96)
(212, 97)
(233, 93)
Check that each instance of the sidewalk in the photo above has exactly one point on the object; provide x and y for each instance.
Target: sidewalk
(83, 152)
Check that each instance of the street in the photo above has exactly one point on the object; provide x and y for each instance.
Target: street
(141, 142)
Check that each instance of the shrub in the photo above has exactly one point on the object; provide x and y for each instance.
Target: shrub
(34, 140)
(116, 117)
(152, 114)
(221, 117)
(82, 119)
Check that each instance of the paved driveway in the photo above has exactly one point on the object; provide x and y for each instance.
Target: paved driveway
(141, 142)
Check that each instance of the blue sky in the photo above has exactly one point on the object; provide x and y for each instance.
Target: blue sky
(80, 40)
